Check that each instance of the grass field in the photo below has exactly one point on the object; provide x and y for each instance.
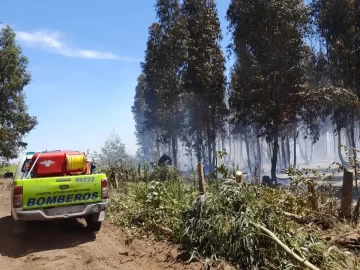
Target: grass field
(10, 168)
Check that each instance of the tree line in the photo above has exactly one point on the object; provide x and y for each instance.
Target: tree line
(296, 74)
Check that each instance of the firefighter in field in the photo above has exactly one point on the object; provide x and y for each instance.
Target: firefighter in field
(163, 163)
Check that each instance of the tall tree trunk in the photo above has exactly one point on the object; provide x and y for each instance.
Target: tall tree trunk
(288, 150)
(234, 151)
(157, 143)
(294, 138)
(174, 149)
(274, 157)
(302, 152)
(231, 153)
(207, 162)
(269, 149)
(280, 162)
(347, 137)
(353, 145)
(198, 146)
(326, 144)
(339, 150)
(210, 167)
(241, 156)
(222, 144)
(248, 151)
(203, 151)
(334, 146)
(214, 156)
(223, 148)
(283, 154)
(259, 154)
(352, 133)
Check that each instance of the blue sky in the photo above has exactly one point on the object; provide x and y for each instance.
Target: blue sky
(84, 59)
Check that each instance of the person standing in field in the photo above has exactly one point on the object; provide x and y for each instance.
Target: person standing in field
(163, 162)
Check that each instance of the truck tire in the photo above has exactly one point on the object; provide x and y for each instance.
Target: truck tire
(92, 226)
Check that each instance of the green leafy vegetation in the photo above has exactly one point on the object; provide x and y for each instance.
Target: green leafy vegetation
(229, 221)
(8, 168)
(152, 205)
(156, 207)
(223, 225)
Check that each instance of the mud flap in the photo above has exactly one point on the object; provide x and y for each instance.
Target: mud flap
(19, 227)
(98, 217)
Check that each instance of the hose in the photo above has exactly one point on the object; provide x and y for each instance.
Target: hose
(76, 163)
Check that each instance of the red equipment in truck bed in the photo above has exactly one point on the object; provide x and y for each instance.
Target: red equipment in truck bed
(53, 164)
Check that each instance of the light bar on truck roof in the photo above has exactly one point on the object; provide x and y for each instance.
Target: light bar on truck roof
(30, 153)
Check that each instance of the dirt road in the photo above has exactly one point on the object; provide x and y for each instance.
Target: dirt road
(59, 246)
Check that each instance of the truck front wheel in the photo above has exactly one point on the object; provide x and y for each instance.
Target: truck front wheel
(92, 226)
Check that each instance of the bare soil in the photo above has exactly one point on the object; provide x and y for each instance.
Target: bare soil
(66, 245)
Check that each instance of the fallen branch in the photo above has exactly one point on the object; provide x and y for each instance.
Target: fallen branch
(285, 247)
(297, 218)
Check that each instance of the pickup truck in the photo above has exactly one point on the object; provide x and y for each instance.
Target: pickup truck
(57, 185)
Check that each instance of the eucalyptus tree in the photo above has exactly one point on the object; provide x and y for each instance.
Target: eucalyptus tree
(269, 35)
(204, 79)
(170, 92)
(337, 23)
(152, 76)
(145, 137)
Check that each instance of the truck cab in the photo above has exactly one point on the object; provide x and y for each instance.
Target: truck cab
(58, 185)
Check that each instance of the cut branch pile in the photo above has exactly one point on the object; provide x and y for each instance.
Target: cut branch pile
(235, 223)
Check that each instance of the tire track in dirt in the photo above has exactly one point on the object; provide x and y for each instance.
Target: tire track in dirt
(66, 245)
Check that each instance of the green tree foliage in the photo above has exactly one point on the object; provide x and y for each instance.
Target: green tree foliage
(184, 76)
(280, 87)
(268, 42)
(337, 25)
(112, 151)
(170, 92)
(151, 71)
(204, 78)
(15, 121)
(335, 21)
(145, 137)
(240, 84)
